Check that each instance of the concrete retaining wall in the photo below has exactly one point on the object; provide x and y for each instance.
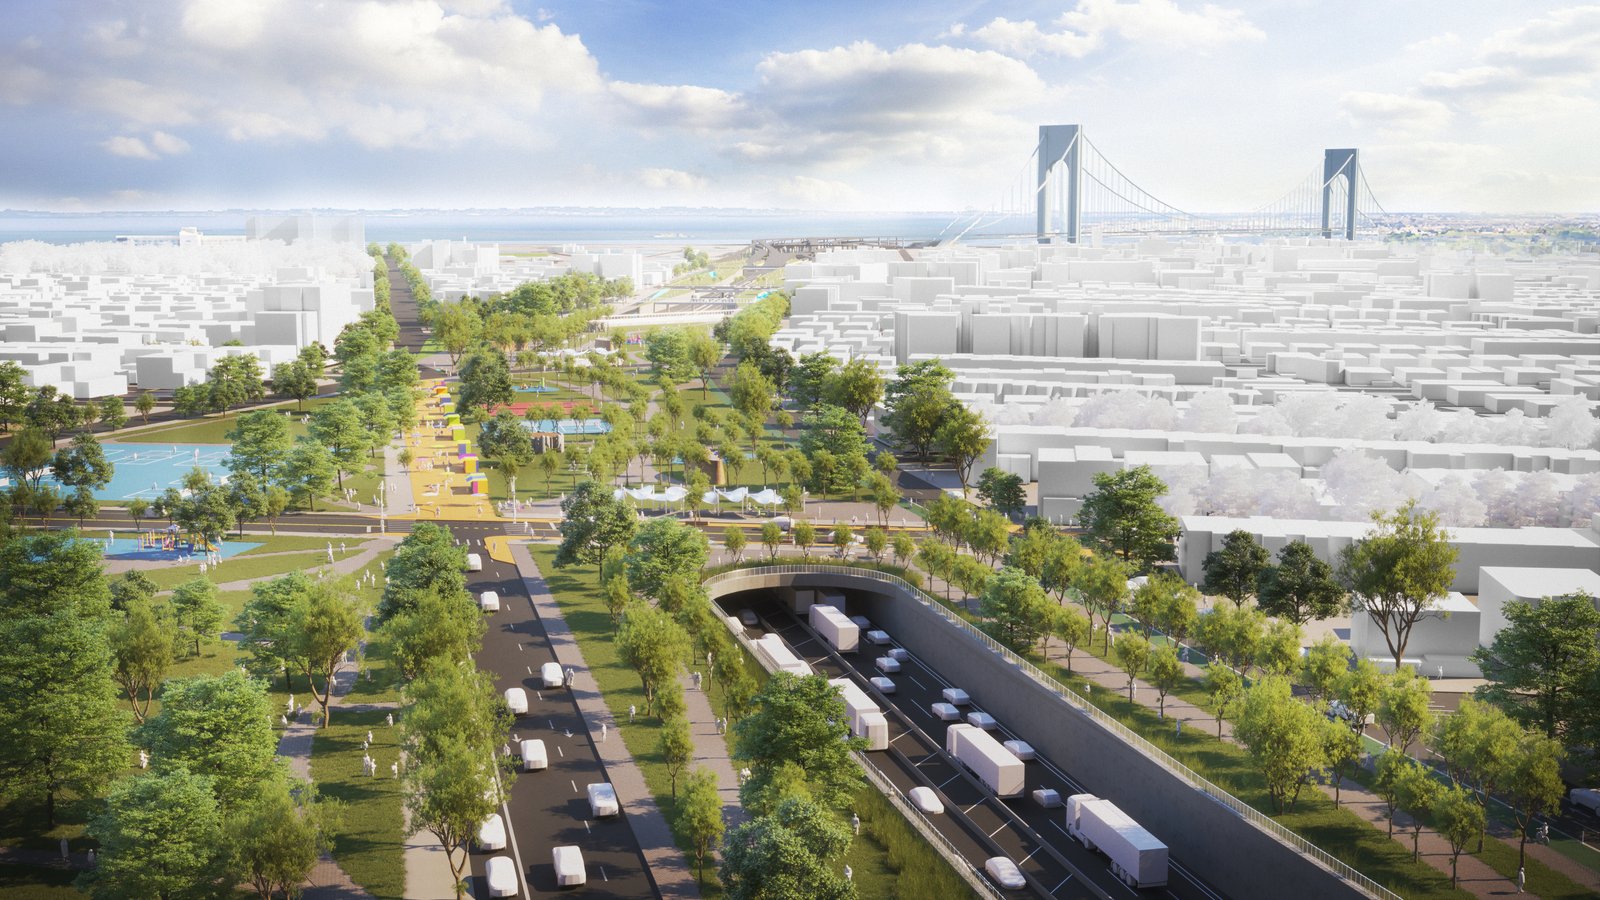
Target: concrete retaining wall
(1204, 835)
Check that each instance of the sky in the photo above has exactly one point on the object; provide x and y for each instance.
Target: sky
(805, 104)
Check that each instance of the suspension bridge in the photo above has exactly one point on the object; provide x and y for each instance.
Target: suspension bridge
(1068, 190)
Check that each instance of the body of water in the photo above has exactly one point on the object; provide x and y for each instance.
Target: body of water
(577, 226)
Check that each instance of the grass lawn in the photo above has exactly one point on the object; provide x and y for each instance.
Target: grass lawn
(37, 883)
(213, 429)
(244, 568)
(370, 845)
(890, 858)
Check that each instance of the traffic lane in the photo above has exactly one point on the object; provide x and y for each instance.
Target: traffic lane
(550, 808)
(981, 813)
(918, 687)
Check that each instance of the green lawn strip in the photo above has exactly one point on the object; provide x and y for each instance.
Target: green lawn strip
(37, 883)
(285, 544)
(213, 429)
(244, 568)
(891, 859)
(370, 845)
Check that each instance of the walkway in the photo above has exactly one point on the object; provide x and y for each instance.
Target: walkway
(668, 866)
(711, 748)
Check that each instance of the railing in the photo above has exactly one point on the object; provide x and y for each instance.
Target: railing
(1072, 698)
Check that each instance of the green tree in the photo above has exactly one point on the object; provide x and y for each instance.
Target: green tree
(592, 522)
(1531, 785)
(1300, 587)
(752, 393)
(325, 626)
(807, 383)
(434, 627)
(798, 720)
(855, 386)
(1072, 628)
(1459, 818)
(1477, 743)
(338, 427)
(805, 534)
(791, 851)
(1232, 571)
(705, 352)
(877, 541)
(1123, 516)
(1132, 655)
(771, 538)
(1103, 586)
(1416, 791)
(309, 472)
(379, 420)
(988, 534)
(428, 559)
(485, 384)
(145, 404)
(61, 728)
(457, 326)
(449, 794)
(504, 441)
(662, 549)
(653, 644)
(1003, 491)
(219, 726)
(113, 413)
(1360, 690)
(1231, 635)
(1326, 662)
(13, 394)
(700, 815)
(81, 505)
(904, 545)
(1541, 665)
(1225, 688)
(141, 652)
(883, 494)
(1341, 749)
(733, 540)
(160, 836)
(668, 350)
(1017, 606)
(197, 610)
(842, 537)
(26, 456)
(916, 403)
(677, 748)
(1391, 772)
(1278, 650)
(963, 436)
(832, 432)
(1403, 707)
(1284, 737)
(1165, 672)
(1399, 571)
(296, 381)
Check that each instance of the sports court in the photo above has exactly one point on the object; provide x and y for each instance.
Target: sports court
(145, 470)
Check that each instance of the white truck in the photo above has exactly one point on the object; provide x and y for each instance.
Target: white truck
(994, 765)
(836, 628)
(866, 719)
(782, 658)
(1137, 857)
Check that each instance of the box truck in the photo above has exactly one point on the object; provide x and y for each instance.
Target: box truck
(993, 764)
(836, 628)
(780, 656)
(865, 718)
(1136, 856)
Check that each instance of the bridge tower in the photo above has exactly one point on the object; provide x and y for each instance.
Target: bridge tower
(1059, 145)
(1336, 164)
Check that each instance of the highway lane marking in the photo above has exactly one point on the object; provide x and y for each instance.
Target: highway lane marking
(1000, 829)
(970, 808)
(950, 779)
(916, 682)
(530, 672)
(586, 828)
(603, 876)
(926, 758)
(552, 724)
(574, 785)
(559, 751)
(1063, 884)
(1030, 855)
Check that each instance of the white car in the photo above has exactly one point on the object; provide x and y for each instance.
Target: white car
(924, 798)
(944, 712)
(489, 601)
(501, 873)
(981, 720)
(568, 862)
(956, 697)
(887, 665)
(886, 685)
(1005, 873)
(1020, 749)
(747, 618)
(534, 755)
(603, 800)
(474, 562)
(517, 701)
(862, 622)
(1586, 798)
(899, 654)
(550, 673)
(492, 833)
(877, 637)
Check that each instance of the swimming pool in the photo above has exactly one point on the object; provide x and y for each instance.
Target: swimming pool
(569, 426)
(145, 470)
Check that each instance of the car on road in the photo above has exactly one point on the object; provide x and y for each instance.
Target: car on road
(603, 800)
(1004, 872)
(925, 799)
(501, 873)
(1020, 749)
(492, 833)
(981, 720)
(474, 562)
(534, 755)
(517, 701)
(886, 685)
(747, 618)
(568, 862)
(1586, 798)
(944, 712)
(550, 673)
(887, 665)
(489, 601)
(876, 636)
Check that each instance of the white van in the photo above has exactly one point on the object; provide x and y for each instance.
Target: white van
(517, 700)
(492, 833)
(534, 755)
(501, 873)
(603, 800)
(552, 675)
(474, 562)
(489, 601)
(568, 861)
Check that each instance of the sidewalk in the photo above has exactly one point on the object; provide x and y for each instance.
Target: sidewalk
(669, 869)
(711, 749)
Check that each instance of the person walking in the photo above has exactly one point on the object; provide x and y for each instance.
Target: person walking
(1522, 878)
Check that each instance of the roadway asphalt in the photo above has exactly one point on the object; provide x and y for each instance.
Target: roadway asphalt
(546, 808)
(978, 824)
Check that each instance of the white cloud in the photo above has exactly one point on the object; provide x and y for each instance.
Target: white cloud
(679, 105)
(1084, 29)
(168, 144)
(823, 193)
(1397, 112)
(130, 147)
(670, 180)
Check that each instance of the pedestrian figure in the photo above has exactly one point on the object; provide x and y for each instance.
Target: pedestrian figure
(505, 749)
(631, 710)
(1522, 878)
(144, 759)
(390, 719)
(697, 681)
(91, 857)
(366, 745)
(289, 704)
(284, 720)
(394, 769)
(855, 823)
(569, 675)
(369, 734)
(1180, 726)
(64, 850)
(849, 875)
(602, 732)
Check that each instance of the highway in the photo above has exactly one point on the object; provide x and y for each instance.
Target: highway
(978, 824)
(546, 808)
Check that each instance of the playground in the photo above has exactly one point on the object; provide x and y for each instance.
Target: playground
(145, 470)
(161, 545)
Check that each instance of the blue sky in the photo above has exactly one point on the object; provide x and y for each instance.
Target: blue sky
(128, 104)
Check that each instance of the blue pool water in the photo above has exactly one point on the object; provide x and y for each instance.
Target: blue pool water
(157, 467)
(569, 426)
(534, 389)
(128, 547)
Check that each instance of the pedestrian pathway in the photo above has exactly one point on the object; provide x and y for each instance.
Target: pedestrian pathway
(668, 867)
(711, 747)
